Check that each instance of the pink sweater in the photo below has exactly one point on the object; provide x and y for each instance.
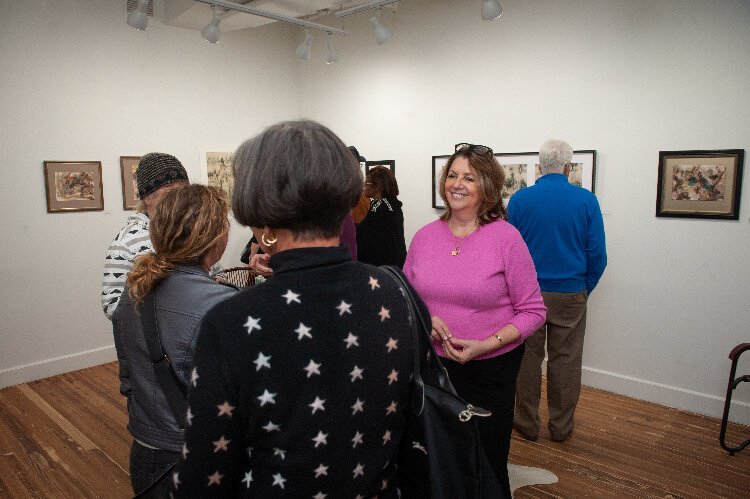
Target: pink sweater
(490, 283)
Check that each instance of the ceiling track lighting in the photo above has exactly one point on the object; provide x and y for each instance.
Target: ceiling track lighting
(382, 34)
(137, 19)
(211, 32)
(304, 50)
(491, 10)
(364, 7)
(332, 56)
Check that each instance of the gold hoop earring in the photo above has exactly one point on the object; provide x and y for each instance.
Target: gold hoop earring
(268, 242)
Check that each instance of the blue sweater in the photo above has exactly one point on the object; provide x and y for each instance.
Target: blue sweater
(563, 228)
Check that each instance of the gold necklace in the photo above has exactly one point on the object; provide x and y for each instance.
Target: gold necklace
(459, 240)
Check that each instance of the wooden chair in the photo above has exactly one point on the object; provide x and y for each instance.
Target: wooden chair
(734, 356)
(242, 277)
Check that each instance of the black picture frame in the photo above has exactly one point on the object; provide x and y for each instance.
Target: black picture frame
(388, 163)
(437, 167)
(703, 184)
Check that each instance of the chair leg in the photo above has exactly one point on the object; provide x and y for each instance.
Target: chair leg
(731, 385)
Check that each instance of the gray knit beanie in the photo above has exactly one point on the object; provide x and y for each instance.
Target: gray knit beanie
(156, 170)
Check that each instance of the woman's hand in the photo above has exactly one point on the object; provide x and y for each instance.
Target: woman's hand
(440, 331)
(462, 351)
(259, 263)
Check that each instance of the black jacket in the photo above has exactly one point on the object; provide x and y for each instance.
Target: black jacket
(380, 236)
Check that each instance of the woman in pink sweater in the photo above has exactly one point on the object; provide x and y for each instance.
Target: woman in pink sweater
(474, 272)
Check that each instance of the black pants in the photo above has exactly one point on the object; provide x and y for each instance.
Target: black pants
(491, 384)
(146, 465)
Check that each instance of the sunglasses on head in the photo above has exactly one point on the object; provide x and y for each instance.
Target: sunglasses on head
(475, 148)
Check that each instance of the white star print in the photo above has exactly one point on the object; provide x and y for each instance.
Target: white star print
(291, 296)
(271, 427)
(303, 331)
(214, 479)
(221, 444)
(359, 470)
(344, 308)
(385, 485)
(312, 368)
(417, 445)
(386, 437)
(194, 377)
(357, 439)
(321, 470)
(262, 361)
(176, 480)
(317, 405)
(252, 324)
(185, 451)
(357, 407)
(392, 344)
(278, 480)
(356, 373)
(279, 452)
(250, 451)
(248, 478)
(351, 340)
(393, 377)
(391, 408)
(267, 398)
(384, 314)
(320, 438)
(189, 417)
(225, 408)
(373, 283)
(359, 496)
(320, 495)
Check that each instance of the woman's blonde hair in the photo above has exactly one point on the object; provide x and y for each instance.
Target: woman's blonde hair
(188, 223)
(490, 179)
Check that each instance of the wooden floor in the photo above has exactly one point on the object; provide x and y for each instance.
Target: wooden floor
(65, 437)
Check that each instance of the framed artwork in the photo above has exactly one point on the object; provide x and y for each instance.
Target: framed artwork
(128, 166)
(73, 185)
(522, 170)
(438, 162)
(388, 163)
(700, 184)
(216, 167)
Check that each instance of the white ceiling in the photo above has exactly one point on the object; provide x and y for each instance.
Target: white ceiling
(195, 15)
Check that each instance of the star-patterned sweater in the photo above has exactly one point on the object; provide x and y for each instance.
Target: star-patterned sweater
(300, 384)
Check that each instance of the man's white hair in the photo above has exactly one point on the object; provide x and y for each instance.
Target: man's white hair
(554, 155)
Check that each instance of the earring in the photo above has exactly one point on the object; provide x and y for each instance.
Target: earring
(268, 242)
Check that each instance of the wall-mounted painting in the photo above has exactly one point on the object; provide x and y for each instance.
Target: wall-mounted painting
(128, 166)
(522, 170)
(216, 167)
(73, 186)
(700, 184)
(388, 163)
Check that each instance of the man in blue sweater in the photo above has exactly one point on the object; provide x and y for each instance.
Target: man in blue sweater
(563, 228)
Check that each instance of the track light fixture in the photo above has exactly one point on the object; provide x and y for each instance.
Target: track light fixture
(491, 10)
(137, 19)
(382, 34)
(304, 50)
(211, 32)
(332, 56)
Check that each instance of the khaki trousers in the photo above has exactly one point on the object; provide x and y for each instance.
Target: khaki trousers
(563, 333)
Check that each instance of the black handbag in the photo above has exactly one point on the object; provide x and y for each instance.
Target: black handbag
(170, 384)
(441, 454)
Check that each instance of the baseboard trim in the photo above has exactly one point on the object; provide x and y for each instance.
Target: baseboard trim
(57, 365)
(670, 396)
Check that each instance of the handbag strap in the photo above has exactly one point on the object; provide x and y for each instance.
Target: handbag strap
(427, 362)
(169, 383)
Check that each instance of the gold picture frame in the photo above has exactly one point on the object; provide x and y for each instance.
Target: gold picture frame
(128, 166)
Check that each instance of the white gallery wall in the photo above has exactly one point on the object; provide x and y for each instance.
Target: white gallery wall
(627, 78)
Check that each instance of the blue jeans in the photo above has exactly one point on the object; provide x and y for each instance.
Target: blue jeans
(146, 465)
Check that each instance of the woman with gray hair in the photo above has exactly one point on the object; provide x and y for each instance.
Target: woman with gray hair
(300, 384)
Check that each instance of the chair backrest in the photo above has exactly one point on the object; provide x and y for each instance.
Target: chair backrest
(242, 277)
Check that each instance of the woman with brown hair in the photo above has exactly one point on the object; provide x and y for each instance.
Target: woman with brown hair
(380, 236)
(189, 231)
(476, 276)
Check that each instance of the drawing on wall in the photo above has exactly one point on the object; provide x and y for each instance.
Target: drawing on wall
(575, 176)
(515, 179)
(73, 185)
(438, 162)
(216, 167)
(700, 184)
(128, 167)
